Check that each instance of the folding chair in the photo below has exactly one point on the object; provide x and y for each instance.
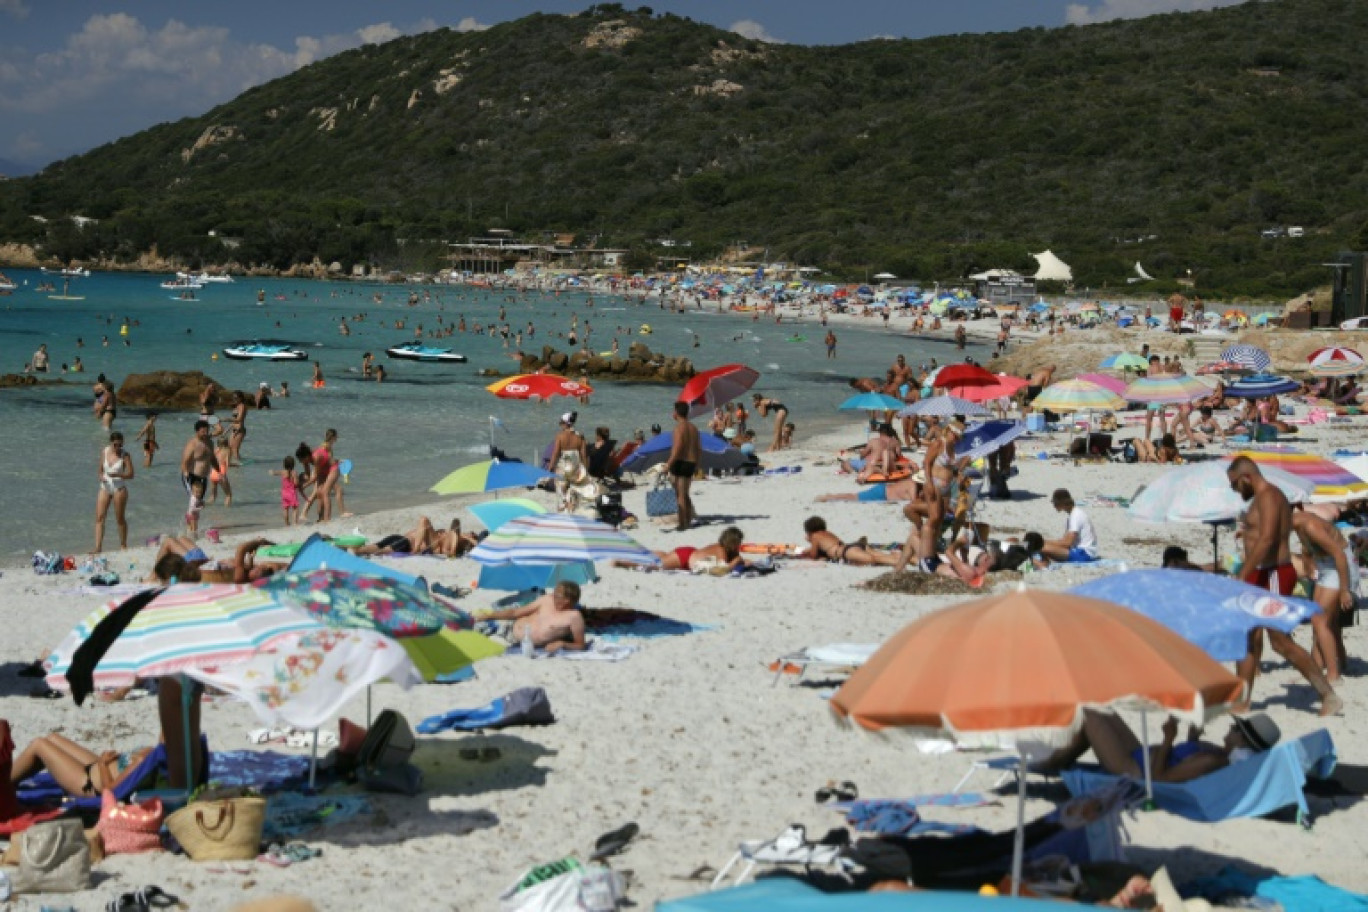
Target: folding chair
(788, 848)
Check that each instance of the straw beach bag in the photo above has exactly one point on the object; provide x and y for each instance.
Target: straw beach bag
(223, 830)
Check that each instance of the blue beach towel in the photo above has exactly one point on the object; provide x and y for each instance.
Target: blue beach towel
(42, 789)
(525, 706)
(1295, 894)
(290, 815)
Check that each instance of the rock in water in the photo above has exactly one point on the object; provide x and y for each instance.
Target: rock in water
(170, 390)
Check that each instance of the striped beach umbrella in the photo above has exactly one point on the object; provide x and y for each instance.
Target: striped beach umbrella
(1200, 493)
(871, 402)
(1338, 369)
(491, 475)
(495, 513)
(556, 537)
(1077, 396)
(1333, 482)
(1166, 388)
(942, 407)
(1252, 357)
(986, 437)
(1114, 384)
(1256, 386)
(1332, 354)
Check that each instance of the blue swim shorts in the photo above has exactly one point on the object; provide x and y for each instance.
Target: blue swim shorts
(1079, 556)
(873, 494)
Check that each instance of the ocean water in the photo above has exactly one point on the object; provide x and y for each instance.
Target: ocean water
(402, 435)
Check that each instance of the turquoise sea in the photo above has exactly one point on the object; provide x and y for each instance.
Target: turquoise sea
(402, 435)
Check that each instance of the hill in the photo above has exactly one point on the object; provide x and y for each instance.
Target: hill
(1172, 140)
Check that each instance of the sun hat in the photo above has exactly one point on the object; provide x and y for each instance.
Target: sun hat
(1260, 731)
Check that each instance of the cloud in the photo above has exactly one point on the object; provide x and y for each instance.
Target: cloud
(749, 28)
(378, 33)
(16, 8)
(470, 24)
(1086, 14)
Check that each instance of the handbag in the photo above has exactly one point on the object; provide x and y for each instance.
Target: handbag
(661, 501)
(54, 858)
(224, 830)
(128, 829)
(390, 742)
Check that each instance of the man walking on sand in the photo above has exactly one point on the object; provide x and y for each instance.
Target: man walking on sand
(1268, 564)
(685, 452)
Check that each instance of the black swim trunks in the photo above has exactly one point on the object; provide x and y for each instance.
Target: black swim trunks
(683, 468)
(190, 480)
(1032, 391)
(399, 544)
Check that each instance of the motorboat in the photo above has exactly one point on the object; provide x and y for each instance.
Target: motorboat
(181, 284)
(72, 272)
(416, 351)
(265, 351)
(204, 278)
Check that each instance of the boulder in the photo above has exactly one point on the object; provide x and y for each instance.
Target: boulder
(558, 361)
(579, 361)
(530, 364)
(494, 372)
(638, 369)
(596, 365)
(169, 390)
(617, 366)
(640, 351)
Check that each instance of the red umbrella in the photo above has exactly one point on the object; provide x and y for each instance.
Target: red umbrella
(964, 375)
(1002, 387)
(537, 386)
(716, 387)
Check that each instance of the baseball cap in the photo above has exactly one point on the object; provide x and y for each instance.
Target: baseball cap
(568, 418)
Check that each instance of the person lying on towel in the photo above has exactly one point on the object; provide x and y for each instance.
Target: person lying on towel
(553, 622)
(719, 558)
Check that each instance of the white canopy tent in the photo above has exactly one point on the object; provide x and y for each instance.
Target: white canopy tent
(1051, 268)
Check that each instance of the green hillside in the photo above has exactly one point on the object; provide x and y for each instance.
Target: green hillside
(926, 158)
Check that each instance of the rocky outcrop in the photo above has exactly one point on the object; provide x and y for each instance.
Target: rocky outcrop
(20, 256)
(8, 381)
(169, 390)
(213, 135)
(640, 364)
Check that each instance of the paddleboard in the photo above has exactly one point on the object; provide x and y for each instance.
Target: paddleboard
(66, 297)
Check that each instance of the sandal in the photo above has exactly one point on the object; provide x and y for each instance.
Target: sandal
(837, 794)
(481, 754)
(614, 842)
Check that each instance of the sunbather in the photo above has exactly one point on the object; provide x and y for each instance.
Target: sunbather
(553, 621)
(423, 539)
(823, 545)
(181, 560)
(724, 556)
(1122, 754)
(1164, 451)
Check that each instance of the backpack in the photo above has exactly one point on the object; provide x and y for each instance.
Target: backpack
(46, 563)
(1129, 453)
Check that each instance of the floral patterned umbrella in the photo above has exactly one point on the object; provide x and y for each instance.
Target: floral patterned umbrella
(359, 602)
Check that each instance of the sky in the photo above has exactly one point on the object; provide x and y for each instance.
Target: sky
(75, 74)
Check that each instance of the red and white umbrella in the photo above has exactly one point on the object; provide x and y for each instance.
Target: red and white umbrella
(537, 386)
(717, 387)
(1332, 354)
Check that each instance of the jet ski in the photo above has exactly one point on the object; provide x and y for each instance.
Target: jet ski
(265, 351)
(416, 351)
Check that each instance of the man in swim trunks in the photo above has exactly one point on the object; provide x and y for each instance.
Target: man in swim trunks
(823, 545)
(197, 461)
(554, 620)
(1268, 565)
(1038, 381)
(685, 453)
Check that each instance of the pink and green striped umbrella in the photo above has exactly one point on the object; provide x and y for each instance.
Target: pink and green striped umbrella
(1333, 482)
(1077, 396)
(1166, 389)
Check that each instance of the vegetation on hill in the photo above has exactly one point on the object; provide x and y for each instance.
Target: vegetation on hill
(1172, 140)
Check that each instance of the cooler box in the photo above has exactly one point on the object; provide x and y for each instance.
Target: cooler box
(1035, 421)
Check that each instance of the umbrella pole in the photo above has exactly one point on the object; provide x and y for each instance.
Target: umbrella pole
(1216, 547)
(1019, 843)
(368, 706)
(313, 759)
(1144, 743)
(186, 697)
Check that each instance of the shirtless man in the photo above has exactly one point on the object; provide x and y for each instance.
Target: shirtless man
(686, 450)
(553, 620)
(1327, 559)
(568, 440)
(181, 560)
(1268, 565)
(197, 461)
(823, 545)
(1038, 381)
(877, 456)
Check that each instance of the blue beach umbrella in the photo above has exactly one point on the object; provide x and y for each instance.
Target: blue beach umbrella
(525, 577)
(784, 894)
(717, 453)
(871, 402)
(497, 512)
(1251, 356)
(1256, 386)
(491, 475)
(988, 436)
(1210, 611)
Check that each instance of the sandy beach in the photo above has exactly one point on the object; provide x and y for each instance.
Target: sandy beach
(690, 737)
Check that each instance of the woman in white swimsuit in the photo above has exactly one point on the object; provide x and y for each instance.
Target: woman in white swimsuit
(115, 471)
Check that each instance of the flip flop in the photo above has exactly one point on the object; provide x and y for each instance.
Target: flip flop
(614, 842)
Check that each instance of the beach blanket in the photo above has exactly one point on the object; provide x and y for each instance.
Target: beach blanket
(902, 818)
(598, 651)
(613, 623)
(291, 815)
(1306, 893)
(265, 771)
(524, 706)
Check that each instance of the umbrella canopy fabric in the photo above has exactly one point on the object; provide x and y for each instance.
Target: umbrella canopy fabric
(1076, 396)
(942, 407)
(717, 453)
(1210, 611)
(1022, 667)
(1124, 361)
(871, 402)
(359, 602)
(1334, 353)
(1338, 369)
(555, 537)
(716, 387)
(180, 628)
(537, 386)
(1256, 386)
(526, 577)
(1252, 357)
(1107, 383)
(491, 475)
(1333, 482)
(1005, 387)
(495, 513)
(987, 437)
(1356, 463)
(1221, 367)
(1166, 388)
(785, 894)
(1200, 492)
(964, 375)
(448, 650)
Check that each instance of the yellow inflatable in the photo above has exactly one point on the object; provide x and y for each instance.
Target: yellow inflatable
(645, 329)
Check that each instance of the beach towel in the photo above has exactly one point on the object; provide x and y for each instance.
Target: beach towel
(1262, 784)
(524, 706)
(629, 622)
(1306, 893)
(291, 815)
(898, 818)
(597, 651)
(264, 771)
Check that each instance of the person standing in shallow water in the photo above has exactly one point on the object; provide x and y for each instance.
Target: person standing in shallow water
(116, 468)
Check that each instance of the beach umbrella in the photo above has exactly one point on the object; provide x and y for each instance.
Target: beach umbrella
(1019, 669)
(1166, 388)
(491, 475)
(717, 453)
(495, 513)
(1107, 383)
(1252, 357)
(1332, 354)
(1338, 369)
(1077, 396)
(1222, 367)
(871, 402)
(526, 577)
(537, 386)
(1124, 361)
(1257, 386)
(1332, 482)
(941, 407)
(1005, 387)
(1237, 316)
(986, 437)
(788, 894)
(1213, 612)
(964, 375)
(718, 386)
(340, 599)
(555, 537)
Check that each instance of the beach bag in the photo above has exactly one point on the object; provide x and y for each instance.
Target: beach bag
(1129, 453)
(661, 501)
(54, 858)
(564, 886)
(128, 829)
(228, 829)
(46, 563)
(389, 743)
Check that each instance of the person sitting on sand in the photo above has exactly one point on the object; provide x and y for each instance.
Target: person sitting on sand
(423, 539)
(181, 560)
(1079, 542)
(1163, 451)
(1207, 429)
(963, 561)
(823, 545)
(877, 457)
(552, 621)
(722, 557)
(1122, 754)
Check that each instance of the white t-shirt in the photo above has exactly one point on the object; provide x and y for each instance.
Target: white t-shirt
(1087, 539)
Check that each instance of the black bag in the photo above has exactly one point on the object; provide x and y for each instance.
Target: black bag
(1129, 453)
(389, 743)
(609, 506)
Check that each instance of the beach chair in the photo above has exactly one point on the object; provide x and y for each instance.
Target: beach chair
(834, 657)
(1260, 785)
(789, 848)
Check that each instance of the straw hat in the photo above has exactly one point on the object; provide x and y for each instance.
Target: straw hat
(1260, 731)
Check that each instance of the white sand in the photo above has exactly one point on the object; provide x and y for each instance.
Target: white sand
(690, 737)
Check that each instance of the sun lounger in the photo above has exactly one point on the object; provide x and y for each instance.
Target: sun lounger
(833, 656)
(43, 789)
(1260, 785)
(788, 848)
(1007, 767)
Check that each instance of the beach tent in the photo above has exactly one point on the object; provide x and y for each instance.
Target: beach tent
(1052, 268)
(1141, 274)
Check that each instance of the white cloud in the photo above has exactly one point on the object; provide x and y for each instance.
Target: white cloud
(749, 28)
(470, 24)
(16, 8)
(1088, 14)
(378, 33)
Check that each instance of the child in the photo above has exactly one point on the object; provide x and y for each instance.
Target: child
(289, 491)
(786, 438)
(192, 513)
(220, 476)
(284, 392)
(148, 435)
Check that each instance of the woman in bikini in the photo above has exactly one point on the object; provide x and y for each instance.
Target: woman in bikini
(928, 512)
(767, 407)
(325, 475)
(115, 471)
(237, 431)
(824, 545)
(106, 405)
(726, 554)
